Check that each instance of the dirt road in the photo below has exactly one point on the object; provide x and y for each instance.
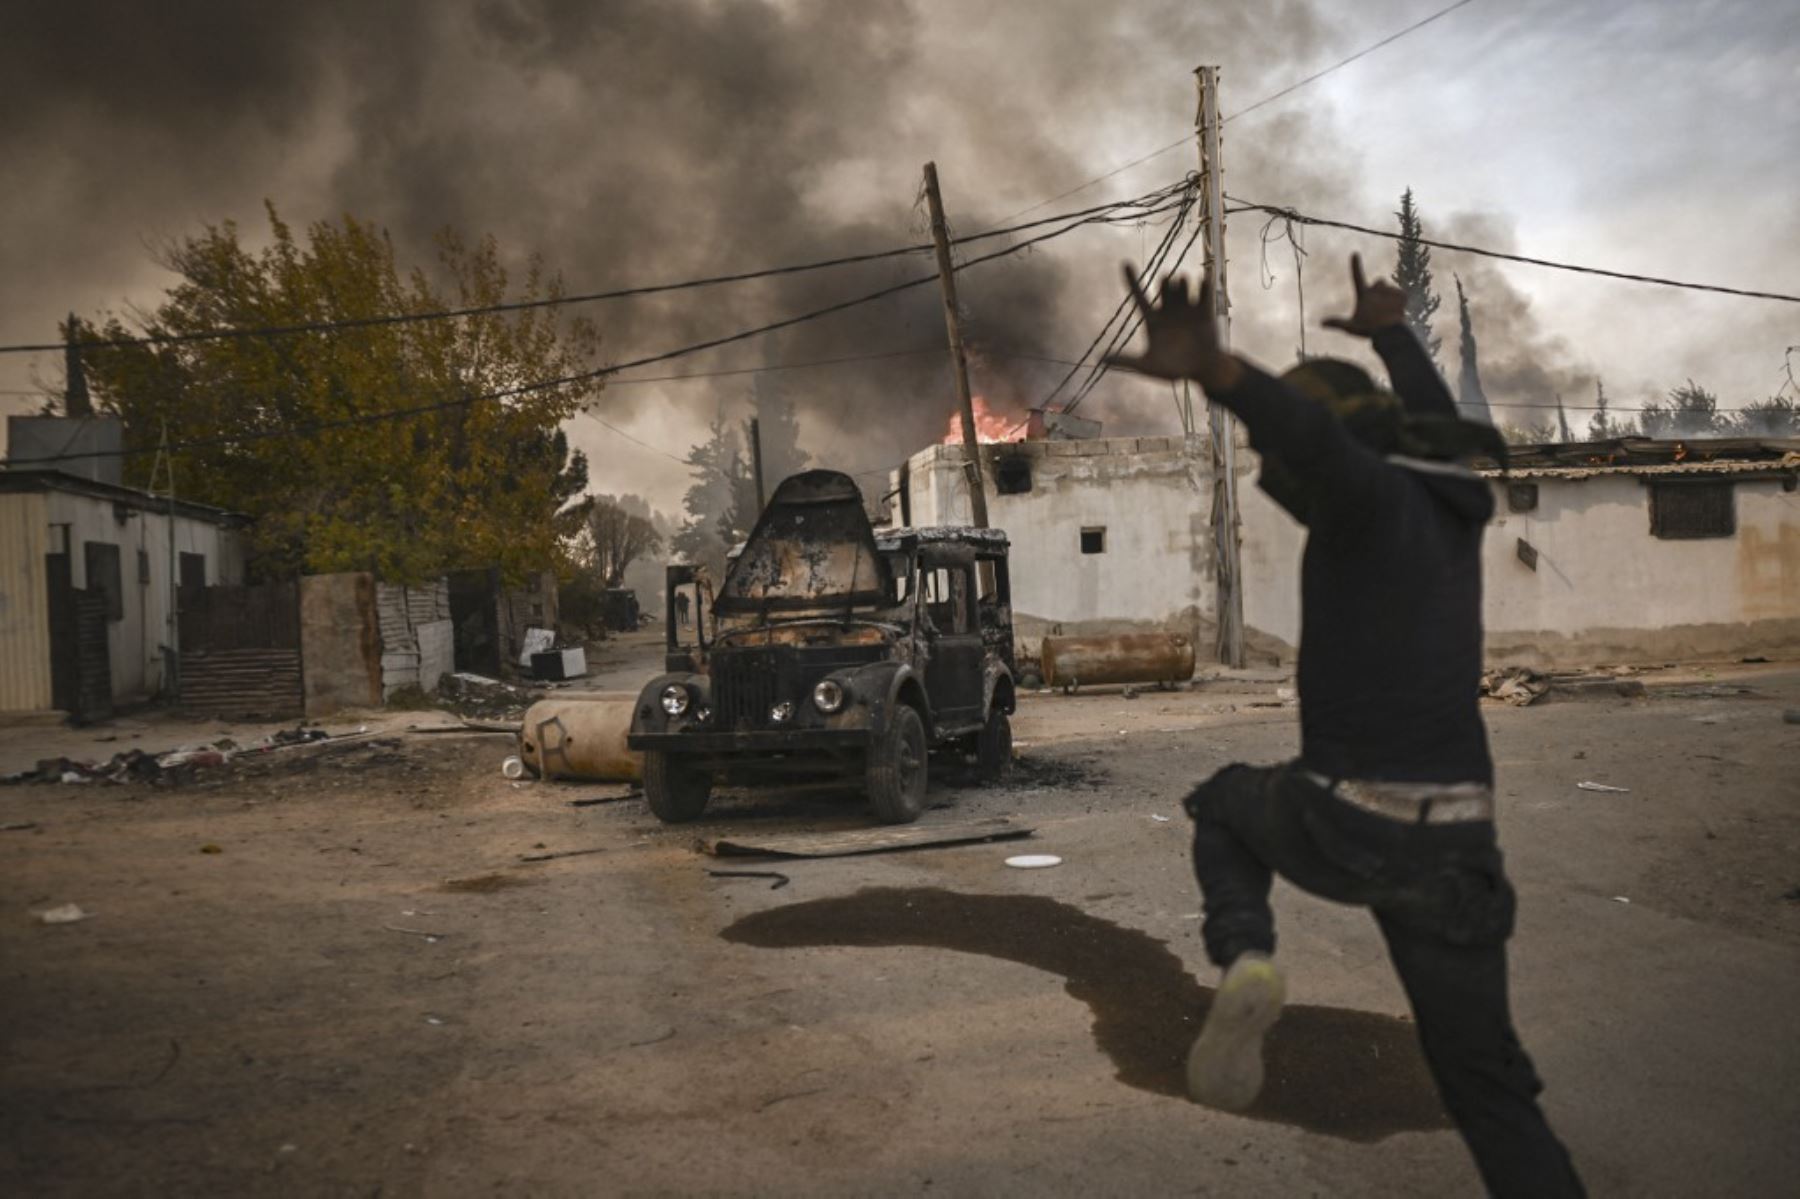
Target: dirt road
(364, 991)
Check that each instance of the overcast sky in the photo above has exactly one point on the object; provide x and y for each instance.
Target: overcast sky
(632, 141)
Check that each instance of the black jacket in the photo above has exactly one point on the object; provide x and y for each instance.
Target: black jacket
(1390, 585)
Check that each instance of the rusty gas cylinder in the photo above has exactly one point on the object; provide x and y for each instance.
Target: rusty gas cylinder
(1071, 662)
(581, 738)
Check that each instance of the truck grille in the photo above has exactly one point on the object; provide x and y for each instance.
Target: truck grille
(746, 683)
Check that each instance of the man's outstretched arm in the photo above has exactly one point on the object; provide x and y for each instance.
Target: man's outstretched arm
(1380, 316)
(1283, 424)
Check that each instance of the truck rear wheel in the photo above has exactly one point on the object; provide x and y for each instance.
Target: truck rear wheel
(676, 791)
(897, 770)
(993, 747)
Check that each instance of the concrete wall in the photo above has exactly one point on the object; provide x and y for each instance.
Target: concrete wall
(340, 651)
(1606, 590)
(24, 605)
(134, 644)
(56, 438)
(1149, 495)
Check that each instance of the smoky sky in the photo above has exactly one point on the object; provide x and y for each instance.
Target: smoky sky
(634, 141)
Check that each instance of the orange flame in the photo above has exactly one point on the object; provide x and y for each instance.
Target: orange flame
(990, 426)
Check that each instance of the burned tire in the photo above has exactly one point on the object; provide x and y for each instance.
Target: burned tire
(897, 770)
(993, 747)
(676, 791)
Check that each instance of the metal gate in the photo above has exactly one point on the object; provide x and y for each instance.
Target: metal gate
(240, 650)
(80, 666)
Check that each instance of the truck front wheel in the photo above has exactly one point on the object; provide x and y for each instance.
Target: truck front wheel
(897, 768)
(676, 791)
(993, 747)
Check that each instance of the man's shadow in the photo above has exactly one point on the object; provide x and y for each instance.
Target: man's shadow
(1342, 1073)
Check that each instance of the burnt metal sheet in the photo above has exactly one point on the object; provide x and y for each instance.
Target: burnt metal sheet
(884, 839)
(812, 548)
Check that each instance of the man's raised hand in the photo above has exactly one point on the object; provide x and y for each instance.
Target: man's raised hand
(1182, 336)
(1378, 305)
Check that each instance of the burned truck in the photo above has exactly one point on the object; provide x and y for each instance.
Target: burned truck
(835, 651)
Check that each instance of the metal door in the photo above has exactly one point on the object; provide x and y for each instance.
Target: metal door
(953, 670)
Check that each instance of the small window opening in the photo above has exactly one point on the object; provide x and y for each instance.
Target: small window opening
(1093, 540)
(1521, 497)
(1012, 476)
(143, 566)
(1692, 511)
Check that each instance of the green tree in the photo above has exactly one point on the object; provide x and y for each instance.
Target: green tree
(1692, 411)
(780, 430)
(1777, 416)
(1412, 274)
(1603, 425)
(618, 537)
(714, 502)
(307, 432)
(1469, 394)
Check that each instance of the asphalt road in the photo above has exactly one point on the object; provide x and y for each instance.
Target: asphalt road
(273, 1018)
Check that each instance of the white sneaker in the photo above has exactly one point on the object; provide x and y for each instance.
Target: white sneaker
(1225, 1067)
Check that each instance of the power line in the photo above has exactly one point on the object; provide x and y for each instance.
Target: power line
(1156, 258)
(1455, 247)
(977, 351)
(543, 385)
(1126, 332)
(1148, 201)
(1344, 62)
(1269, 99)
(673, 457)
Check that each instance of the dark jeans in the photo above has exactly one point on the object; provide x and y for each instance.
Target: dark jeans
(1440, 895)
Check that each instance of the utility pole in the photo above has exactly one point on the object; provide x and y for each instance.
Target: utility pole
(1227, 564)
(958, 359)
(756, 463)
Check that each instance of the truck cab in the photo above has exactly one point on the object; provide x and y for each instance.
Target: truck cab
(833, 651)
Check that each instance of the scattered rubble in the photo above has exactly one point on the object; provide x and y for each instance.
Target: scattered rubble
(171, 767)
(1519, 686)
(479, 697)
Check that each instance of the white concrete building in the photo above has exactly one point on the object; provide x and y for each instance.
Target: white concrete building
(1637, 559)
(111, 542)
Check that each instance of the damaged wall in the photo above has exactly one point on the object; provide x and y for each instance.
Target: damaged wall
(417, 643)
(1109, 535)
(1605, 588)
(340, 647)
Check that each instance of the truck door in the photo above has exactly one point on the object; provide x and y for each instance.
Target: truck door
(953, 673)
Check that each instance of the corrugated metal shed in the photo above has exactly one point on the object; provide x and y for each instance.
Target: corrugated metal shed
(417, 646)
(24, 604)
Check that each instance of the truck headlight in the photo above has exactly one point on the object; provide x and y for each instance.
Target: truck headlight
(675, 699)
(828, 696)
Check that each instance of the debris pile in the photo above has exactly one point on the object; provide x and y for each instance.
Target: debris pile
(1519, 686)
(479, 697)
(170, 768)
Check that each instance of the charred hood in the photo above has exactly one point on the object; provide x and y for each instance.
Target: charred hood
(813, 549)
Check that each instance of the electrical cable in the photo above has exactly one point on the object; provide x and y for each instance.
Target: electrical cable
(543, 385)
(1364, 52)
(1455, 247)
(1148, 200)
(1127, 333)
(1187, 139)
(1156, 258)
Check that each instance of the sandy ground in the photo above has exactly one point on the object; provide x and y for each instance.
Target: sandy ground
(366, 992)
